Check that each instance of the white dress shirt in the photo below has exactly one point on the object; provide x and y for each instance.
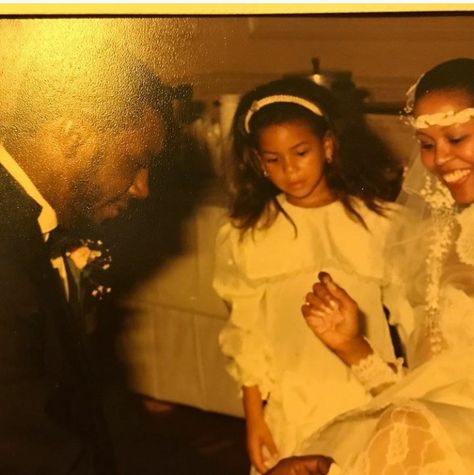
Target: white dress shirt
(47, 219)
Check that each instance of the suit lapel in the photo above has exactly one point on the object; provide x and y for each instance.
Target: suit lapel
(22, 238)
(73, 399)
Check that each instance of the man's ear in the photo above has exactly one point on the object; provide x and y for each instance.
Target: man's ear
(73, 134)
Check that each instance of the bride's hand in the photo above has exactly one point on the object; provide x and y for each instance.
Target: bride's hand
(332, 314)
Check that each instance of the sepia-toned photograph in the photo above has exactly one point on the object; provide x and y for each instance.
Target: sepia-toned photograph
(237, 243)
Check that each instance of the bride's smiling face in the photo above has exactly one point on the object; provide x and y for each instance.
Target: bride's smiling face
(448, 151)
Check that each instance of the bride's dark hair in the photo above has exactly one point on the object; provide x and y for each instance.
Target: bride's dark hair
(455, 74)
(361, 167)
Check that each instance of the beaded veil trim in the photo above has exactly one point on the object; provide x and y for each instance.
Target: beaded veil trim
(443, 212)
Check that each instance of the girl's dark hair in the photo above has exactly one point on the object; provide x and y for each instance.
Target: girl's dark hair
(361, 166)
(455, 74)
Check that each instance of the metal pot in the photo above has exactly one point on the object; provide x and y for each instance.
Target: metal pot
(331, 79)
(334, 80)
(351, 99)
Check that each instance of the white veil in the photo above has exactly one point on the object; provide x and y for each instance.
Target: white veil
(430, 247)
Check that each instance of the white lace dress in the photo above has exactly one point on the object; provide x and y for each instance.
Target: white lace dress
(265, 278)
(423, 424)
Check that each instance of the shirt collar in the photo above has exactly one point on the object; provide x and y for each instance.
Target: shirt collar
(47, 219)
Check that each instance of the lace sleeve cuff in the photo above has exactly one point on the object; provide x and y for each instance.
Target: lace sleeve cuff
(375, 374)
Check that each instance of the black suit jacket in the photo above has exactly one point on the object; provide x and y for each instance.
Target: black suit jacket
(50, 415)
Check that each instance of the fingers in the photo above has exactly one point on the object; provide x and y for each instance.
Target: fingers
(322, 304)
(272, 449)
(322, 309)
(324, 464)
(264, 456)
(318, 324)
(298, 465)
(327, 301)
(325, 278)
(270, 458)
(308, 466)
(334, 290)
(256, 457)
(270, 453)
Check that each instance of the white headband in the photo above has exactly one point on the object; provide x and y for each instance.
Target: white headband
(443, 119)
(257, 105)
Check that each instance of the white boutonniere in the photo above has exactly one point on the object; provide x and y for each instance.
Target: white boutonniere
(91, 260)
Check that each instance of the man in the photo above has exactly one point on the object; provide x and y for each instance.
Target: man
(75, 150)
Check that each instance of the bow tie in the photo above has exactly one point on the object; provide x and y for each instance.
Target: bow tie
(60, 241)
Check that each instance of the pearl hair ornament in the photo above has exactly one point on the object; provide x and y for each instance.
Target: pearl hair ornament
(442, 119)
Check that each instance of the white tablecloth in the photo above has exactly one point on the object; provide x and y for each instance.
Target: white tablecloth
(170, 339)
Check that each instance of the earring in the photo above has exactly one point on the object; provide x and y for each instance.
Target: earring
(265, 173)
(329, 159)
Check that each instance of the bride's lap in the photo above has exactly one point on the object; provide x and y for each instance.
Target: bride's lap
(408, 440)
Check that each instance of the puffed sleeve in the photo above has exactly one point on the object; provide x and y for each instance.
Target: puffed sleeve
(242, 339)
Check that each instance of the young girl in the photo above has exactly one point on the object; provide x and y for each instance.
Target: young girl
(421, 419)
(306, 195)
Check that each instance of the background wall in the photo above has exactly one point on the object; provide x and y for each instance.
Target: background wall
(385, 53)
(226, 54)
(229, 54)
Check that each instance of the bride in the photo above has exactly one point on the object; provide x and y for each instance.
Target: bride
(420, 420)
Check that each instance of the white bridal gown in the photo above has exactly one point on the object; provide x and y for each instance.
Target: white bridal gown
(424, 423)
